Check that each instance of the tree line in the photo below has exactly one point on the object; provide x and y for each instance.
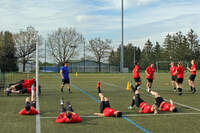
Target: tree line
(176, 47)
(65, 43)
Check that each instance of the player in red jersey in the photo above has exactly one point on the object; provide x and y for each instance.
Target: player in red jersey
(136, 75)
(141, 104)
(149, 76)
(173, 74)
(180, 75)
(193, 71)
(67, 115)
(30, 106)
(105, 108)
(162, 104)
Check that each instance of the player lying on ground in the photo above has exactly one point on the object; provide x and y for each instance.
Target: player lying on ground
(67, 115)
(162, 104)
(141, 104)
(105, 108)
(30, 105)
(21, 87)
(193, 71)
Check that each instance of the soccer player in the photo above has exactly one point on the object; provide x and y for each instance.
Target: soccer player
(105, 108)
(193, 71)
(180, 74)
(64, 73)
(136, 75)
(141, 104)
(19, 87)
(149, 76)
(162, 104)
(173, 74)
(67, 115)
(30, 105)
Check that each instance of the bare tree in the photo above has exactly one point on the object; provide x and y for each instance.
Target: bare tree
(26, 44)
(100, 48)
(63, 44)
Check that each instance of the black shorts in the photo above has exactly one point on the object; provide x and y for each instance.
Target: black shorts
(150, 80)
(66, 81)
(103, 105)
(18, 87)
(173, 78)
(159, 100)
(137, 79)
(192, 77)
(179, 80)
(138, 100)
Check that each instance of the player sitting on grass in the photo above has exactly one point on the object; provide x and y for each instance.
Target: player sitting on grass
(105, 108)
(67, 115)
(30, 106)
(162, 104)
(141, 104)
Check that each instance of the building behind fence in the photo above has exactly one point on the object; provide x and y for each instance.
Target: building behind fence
(83, 66)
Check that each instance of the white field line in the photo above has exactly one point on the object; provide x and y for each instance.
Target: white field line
(134, 115)
(180, 104)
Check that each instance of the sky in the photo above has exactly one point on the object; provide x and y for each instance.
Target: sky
(143, 19)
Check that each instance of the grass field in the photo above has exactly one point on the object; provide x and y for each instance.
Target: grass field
(84, 102)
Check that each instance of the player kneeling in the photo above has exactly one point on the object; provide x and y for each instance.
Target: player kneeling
(67, 115)
(162, 104)
(30, 106)
(105, 108)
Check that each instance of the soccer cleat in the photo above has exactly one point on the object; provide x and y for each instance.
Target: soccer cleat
(174, 90)
(194, 90)
(179, 91)
(130, 107)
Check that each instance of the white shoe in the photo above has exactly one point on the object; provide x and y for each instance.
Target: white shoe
(130, 107)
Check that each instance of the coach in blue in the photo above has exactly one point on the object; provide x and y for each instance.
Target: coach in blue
(64, 73)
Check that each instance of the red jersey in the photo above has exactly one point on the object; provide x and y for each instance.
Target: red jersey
(146, 108)
(62, 118)
(150, 71)
(108, 111)
(180, 71)
(194, 67)
(32, 111)
(98, 85)
(136, 71)
(29, 90)
(165, 107)
(173, 70)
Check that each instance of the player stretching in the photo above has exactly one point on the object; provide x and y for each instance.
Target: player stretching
(162, 104)
(141, 104)
(67, 115)
(30, 106)
(193, 70)
(64, 73)
(105, 108)
(180, 74)
(136, 75)
(149, 76)
(173, 73)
